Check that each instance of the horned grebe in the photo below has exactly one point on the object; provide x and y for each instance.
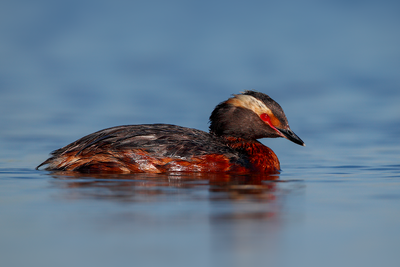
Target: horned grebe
(230, 146)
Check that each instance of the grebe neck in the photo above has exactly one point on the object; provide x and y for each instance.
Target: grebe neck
(261, 158)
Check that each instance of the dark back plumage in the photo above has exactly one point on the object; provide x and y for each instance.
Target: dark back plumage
(159, 140)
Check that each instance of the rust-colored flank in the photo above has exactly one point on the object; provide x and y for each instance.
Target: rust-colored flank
(231, 145)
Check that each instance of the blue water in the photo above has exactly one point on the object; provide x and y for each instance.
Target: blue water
(70, 68)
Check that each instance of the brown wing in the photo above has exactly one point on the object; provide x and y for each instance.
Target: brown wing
(133, 148)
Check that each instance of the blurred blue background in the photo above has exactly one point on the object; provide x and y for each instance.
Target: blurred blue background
(69, 68)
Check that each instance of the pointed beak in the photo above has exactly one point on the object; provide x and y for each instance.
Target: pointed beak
(290, 135)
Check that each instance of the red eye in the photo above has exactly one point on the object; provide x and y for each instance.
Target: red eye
(265, 118)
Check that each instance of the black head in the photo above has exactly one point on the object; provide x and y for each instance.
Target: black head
(251, 115)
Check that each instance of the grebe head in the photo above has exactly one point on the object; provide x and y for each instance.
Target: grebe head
(251, 115)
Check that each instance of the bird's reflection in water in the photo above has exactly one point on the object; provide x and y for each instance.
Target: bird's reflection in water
(138, 187)
(232, 196)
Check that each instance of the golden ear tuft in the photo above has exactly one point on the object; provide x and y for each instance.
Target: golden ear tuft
(251, 103)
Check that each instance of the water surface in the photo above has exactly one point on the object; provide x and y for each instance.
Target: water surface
(71, 68)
